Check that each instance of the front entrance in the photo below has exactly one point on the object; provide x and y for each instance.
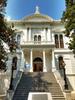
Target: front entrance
(37, 65)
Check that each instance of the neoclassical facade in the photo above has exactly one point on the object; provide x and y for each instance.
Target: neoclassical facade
(41, 45)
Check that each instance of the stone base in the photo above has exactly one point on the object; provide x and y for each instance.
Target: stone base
(10, 94)
(73, 95)
(68, 94)
(39, 96)
(44, 70)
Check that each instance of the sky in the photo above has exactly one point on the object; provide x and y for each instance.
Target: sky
(17, 9)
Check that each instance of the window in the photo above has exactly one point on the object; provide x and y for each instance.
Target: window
(56, 41)
(35, 38)
(39, 38)
(12, 25)
(46, 30)
(28, 29)
(18, 39)
(28, 34)
(61, 41)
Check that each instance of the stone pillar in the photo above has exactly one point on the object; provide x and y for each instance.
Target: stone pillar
(67, 94)
(31, 60)
(22, 61)
(49, 35)
(44, 62)
(29, 34)
(53, 61)
(45, 34)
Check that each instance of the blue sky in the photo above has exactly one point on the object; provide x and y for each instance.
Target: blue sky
(17, 9)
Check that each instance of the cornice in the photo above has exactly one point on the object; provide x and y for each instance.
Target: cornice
(23, 23)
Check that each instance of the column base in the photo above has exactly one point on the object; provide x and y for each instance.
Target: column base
(31, 70)
(44, 70)
(53, 69)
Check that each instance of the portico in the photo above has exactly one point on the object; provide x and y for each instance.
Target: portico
(38, 59)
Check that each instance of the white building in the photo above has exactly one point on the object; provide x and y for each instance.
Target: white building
(42, 44)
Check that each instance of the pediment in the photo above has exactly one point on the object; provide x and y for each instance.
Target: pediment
(37, 18)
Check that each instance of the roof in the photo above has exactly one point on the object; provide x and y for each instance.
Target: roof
(37, 17)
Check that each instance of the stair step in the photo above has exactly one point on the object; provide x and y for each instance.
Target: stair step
(38, 82)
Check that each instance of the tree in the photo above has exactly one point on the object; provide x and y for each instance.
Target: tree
(6, 35)
(69, 19)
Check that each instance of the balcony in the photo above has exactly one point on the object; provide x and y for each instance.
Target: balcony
(38, 43)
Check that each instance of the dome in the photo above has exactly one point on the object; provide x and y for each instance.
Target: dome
(37, 17)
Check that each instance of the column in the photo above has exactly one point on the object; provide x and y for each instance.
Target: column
(46, 34)
(49, 35)
(29, 34)
(31, 60)
(53, 61)
(22, 61)
(44, 62)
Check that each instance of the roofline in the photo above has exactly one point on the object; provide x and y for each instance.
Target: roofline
(22, 22)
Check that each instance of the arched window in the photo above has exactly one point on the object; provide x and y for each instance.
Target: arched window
(39, 38)
(61, 41)
(46, 29)
(14, 63)
(18, 39)
(60, 59)
(56, 41)
(35, 38)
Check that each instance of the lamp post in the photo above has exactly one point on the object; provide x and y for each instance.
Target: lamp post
(65, 78)
(13, 49)
(11, 80)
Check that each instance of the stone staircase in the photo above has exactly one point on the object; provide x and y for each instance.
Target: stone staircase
(38, 82)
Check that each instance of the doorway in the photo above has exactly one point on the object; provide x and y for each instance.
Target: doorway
(37, 65)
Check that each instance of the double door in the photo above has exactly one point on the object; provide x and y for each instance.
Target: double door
(37, 67)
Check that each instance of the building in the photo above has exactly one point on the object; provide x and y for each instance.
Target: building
(42, 45)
